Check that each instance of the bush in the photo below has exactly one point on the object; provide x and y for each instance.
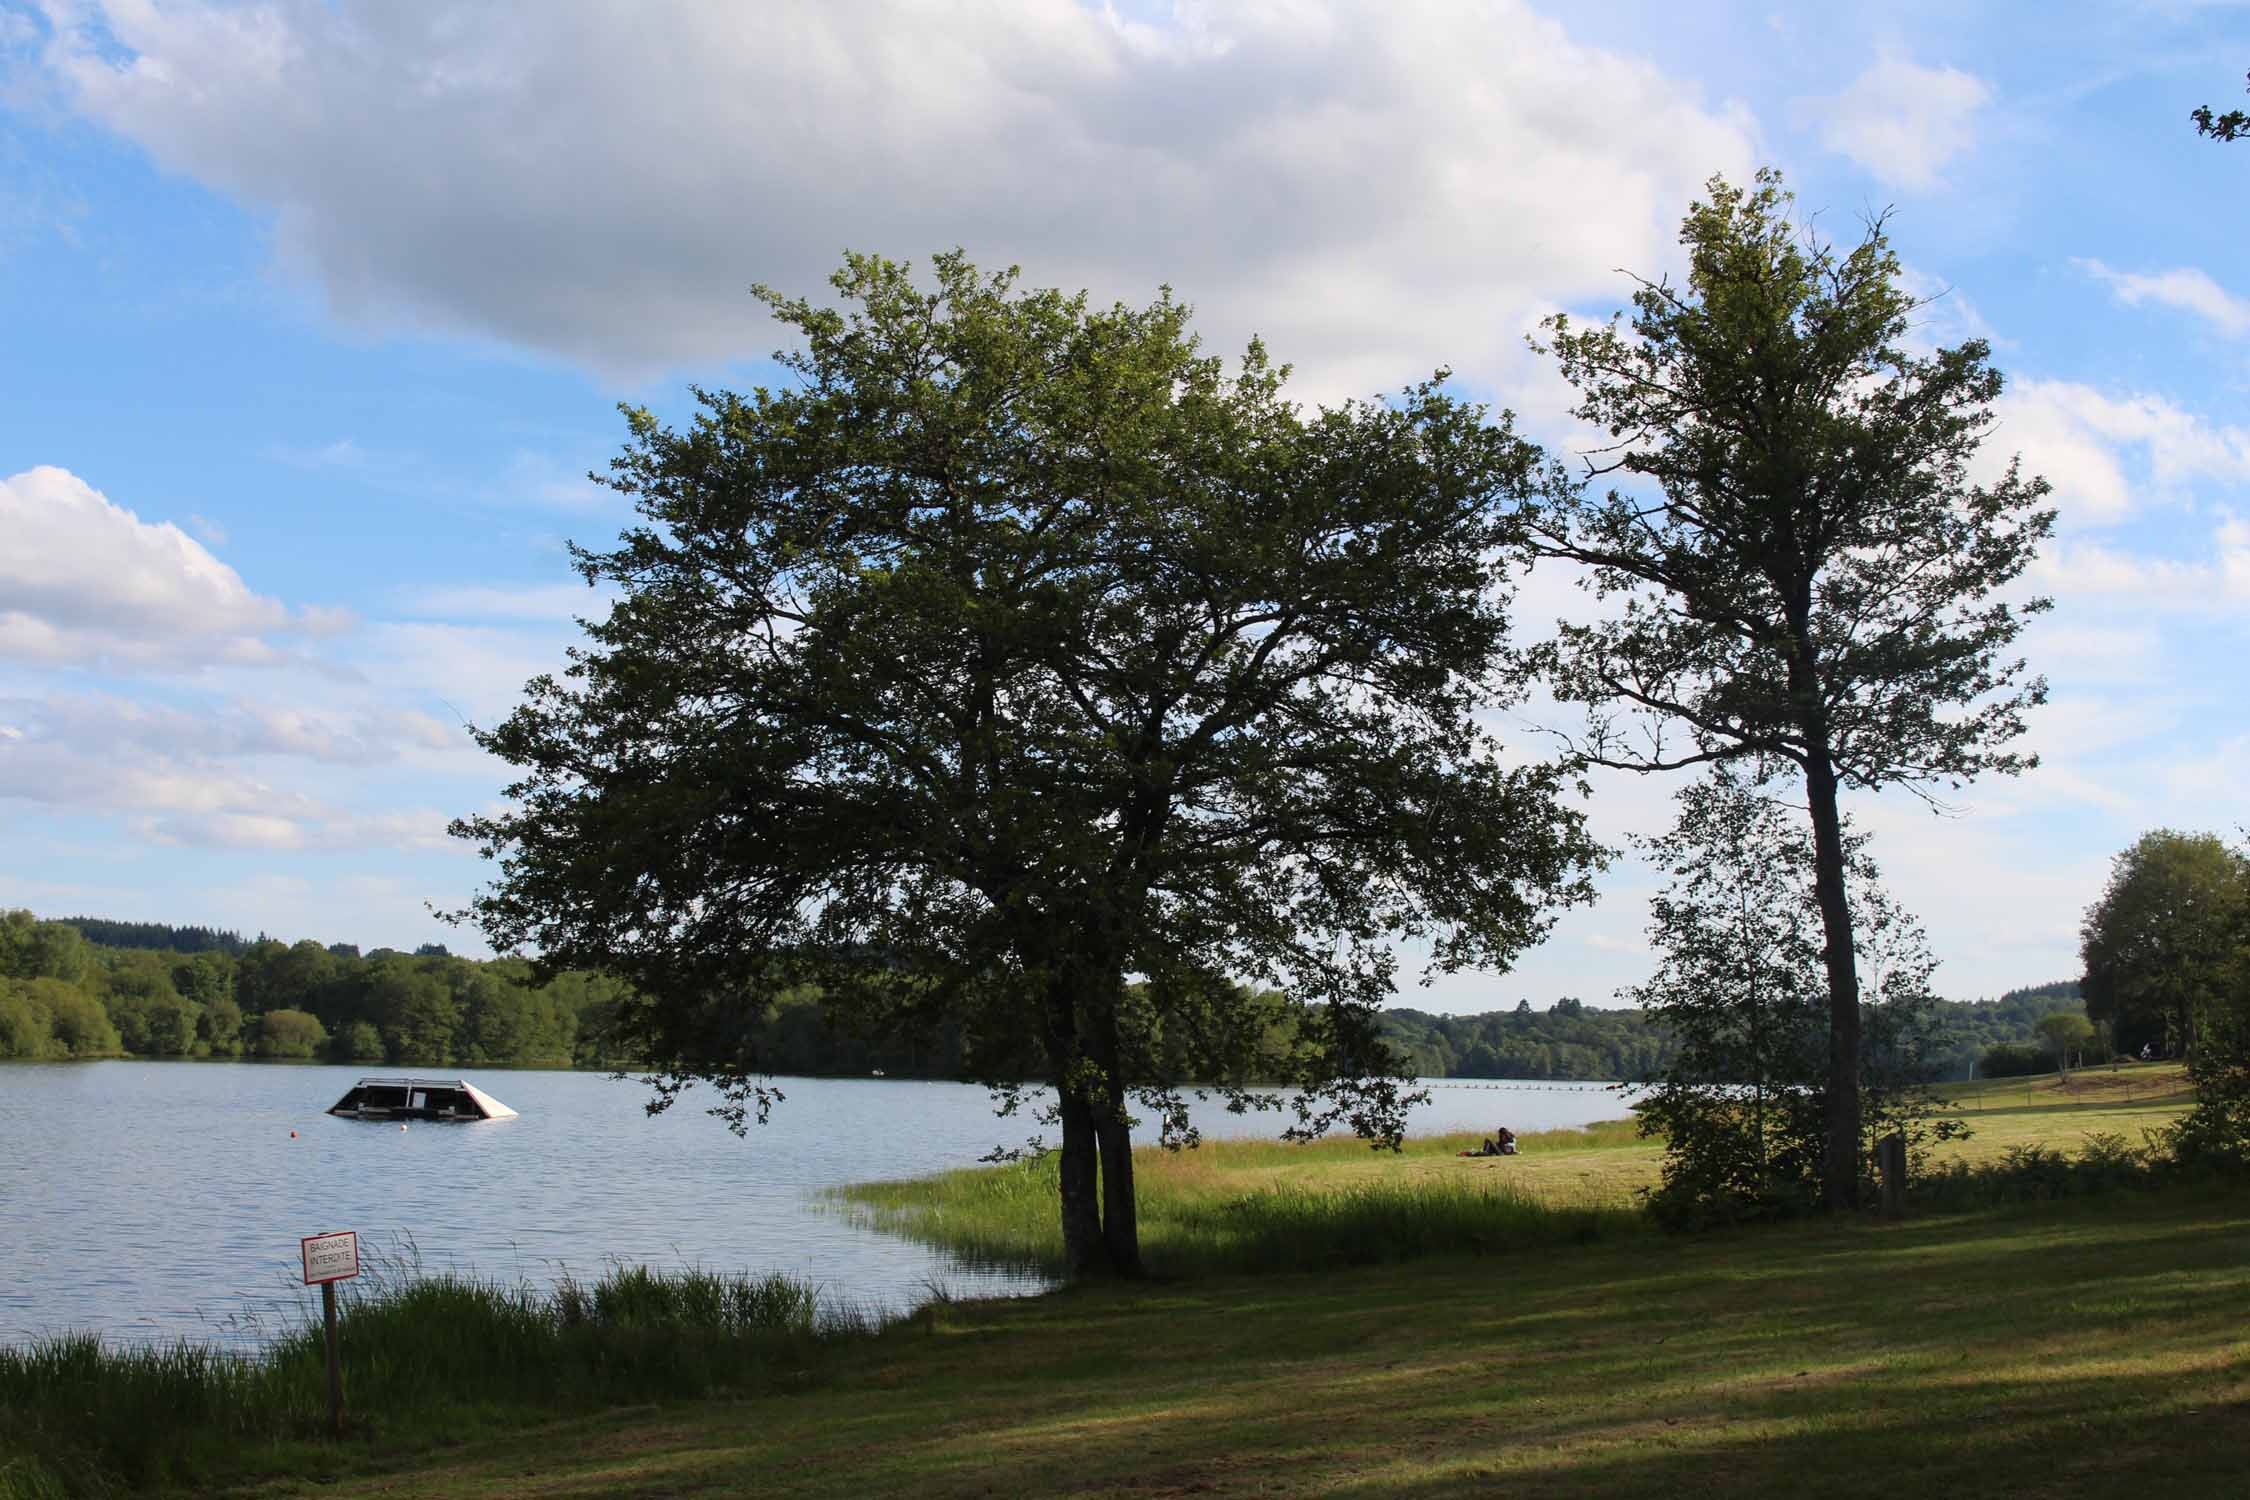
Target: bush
(289, 1033)
(358, 1042)
(2105, 1163)
(2014, 1060)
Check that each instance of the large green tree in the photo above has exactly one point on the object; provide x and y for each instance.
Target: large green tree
(2161, 945)
(1803, 576)
(1018, 666)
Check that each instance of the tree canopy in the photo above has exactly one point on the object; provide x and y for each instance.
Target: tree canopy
(2066, 1033)
(1807, 579)
(2161, 944)
(1018, 652)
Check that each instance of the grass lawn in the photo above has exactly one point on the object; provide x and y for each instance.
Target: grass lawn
(2089, 1348)
(1010, 1214)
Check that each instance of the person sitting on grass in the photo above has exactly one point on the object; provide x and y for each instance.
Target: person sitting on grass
(1505, 1142)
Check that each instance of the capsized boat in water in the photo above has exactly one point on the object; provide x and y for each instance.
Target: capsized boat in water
(419, 1099)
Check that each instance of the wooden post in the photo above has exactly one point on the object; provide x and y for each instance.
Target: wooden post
(1890, 1160)
(335, 1361)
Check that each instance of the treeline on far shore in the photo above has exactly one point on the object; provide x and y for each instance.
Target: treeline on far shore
(1955, 1039)
(90, 987)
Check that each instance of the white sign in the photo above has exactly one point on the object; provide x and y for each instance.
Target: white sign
(330, 1257)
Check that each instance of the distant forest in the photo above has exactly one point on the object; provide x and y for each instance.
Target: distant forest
(92, 987)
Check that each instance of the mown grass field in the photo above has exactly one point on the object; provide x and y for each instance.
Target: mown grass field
(2083, 1349)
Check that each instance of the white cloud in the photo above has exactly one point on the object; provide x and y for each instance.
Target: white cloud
(421, 829)
(1371, 186)
(2186, 289)
(242, 728)
(128, 779)
(538, 479)
(83, 581)
(556, 602)
(456, 671)
(203, 801)
(1901, 121)
(2109, 456)
(2217, 584)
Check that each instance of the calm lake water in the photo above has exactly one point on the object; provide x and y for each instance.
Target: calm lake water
(146, 1201)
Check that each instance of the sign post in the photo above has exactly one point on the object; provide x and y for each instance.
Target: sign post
(330, 1258)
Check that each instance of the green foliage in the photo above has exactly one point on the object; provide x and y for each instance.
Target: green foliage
(2231, 126)
(61, 996)
(1810, 582)
(1014, 647)
(218, 1028)
(52, 1018)
(1963, 1032)
(81, 1027)
(2163, 945)
(2067, 1035)
(1742, 1108)
(359, 1042)
(2106, 1162)
(32, 949)
(1568, 1040)
(161, 936)
(2013, 1060)
(2216, 1131)
(288, 1034)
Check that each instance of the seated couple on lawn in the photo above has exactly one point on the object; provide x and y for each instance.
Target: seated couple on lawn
(1501, 1144)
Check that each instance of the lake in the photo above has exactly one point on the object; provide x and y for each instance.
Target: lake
(152, 1200)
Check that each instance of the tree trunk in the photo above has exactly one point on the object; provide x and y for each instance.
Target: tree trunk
(1077, 1161)
(1121, 1225)
(1084, 1249)
(1121, 1231)
(1839, 1168)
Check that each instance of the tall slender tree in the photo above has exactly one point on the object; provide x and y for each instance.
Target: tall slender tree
(1806, 578)
(1020, 667)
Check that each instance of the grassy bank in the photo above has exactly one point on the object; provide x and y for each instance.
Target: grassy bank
(2087, 1349)
(1255, 1205)
(427, 1358)
(1261, 1205)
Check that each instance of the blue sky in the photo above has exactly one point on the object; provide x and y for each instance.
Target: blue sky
(316, 313)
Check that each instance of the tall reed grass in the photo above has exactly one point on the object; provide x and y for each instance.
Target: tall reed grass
(425, 1357)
